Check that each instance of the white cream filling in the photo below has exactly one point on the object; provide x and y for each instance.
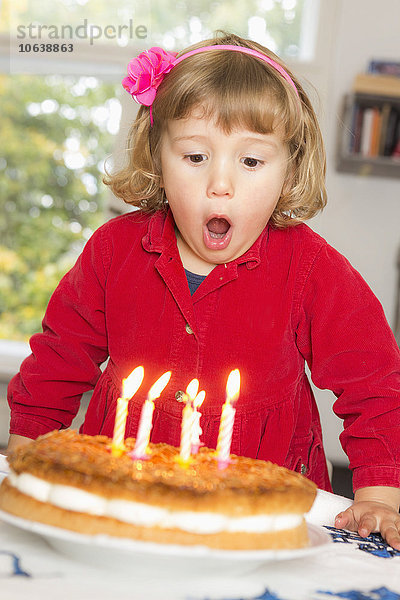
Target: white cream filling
(138, 513)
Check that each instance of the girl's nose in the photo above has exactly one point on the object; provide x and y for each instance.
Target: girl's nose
(220, 182)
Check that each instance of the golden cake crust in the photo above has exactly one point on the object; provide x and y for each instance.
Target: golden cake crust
(245, 487)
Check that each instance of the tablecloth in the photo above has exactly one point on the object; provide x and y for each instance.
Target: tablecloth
(350, 567)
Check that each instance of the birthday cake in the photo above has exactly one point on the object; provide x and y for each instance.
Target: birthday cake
(73, 481)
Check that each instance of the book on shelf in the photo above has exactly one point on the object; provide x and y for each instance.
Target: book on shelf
(366, 131)
(386, 108)
(355, 128)
(396, 151)
(375, 130)
(392, 132)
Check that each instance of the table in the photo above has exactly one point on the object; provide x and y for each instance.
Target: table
(351, 567)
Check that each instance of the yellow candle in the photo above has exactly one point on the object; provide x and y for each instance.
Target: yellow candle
(119, 426)
(187, 423)
(130, 386)
(227, 419)
(196, 428)
(146, 417)
(186, 433)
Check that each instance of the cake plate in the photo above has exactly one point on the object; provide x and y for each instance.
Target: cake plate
(144, 557)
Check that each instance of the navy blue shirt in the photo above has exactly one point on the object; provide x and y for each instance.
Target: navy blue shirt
(194, 280)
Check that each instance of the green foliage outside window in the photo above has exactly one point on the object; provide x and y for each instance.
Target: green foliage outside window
(55, 138)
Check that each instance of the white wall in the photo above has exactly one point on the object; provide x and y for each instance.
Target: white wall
(362, 219)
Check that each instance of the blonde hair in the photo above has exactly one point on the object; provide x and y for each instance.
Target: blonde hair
(238, 91)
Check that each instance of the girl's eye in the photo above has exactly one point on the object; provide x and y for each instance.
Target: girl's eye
(252, 162)
(196, 158)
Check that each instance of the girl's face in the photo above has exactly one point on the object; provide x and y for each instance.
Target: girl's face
(222, 188)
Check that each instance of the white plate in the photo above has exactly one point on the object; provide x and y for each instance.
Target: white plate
(4, 468)
(102, 549)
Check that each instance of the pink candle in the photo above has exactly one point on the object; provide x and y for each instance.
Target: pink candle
(146, 418)
(227, 419)
(130, 386)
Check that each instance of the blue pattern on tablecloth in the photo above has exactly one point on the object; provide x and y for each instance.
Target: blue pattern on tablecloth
(266, 595)
(381, 593)
(373, 544)
(13, 568)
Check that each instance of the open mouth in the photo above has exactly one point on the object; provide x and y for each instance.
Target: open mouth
(218, 227)
(217, 233)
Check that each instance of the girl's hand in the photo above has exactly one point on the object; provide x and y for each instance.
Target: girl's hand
(16, 441)
(375, 509)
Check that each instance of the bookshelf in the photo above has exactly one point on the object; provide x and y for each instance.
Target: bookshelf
(369, 138)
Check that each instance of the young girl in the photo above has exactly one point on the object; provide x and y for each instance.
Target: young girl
(217, 271)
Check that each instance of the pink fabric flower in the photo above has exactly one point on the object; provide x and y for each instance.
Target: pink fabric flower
(146, 72)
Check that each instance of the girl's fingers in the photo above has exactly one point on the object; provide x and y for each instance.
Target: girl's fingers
(391, 533)
(345, 520)
(367, 525)
(364, 526)
(368, 522)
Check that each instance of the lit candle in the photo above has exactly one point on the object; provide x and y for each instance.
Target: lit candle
(192, 389)
(196, 428)
(130, 386)
(187, 423)
(227, 419)
(186, 433)
(146, 418)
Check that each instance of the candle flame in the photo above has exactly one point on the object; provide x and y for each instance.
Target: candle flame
(131, 384)
(158, 386)
(198, 401)
(233, 386)
(192, 389)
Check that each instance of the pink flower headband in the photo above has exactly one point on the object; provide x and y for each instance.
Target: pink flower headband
(146, 71)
